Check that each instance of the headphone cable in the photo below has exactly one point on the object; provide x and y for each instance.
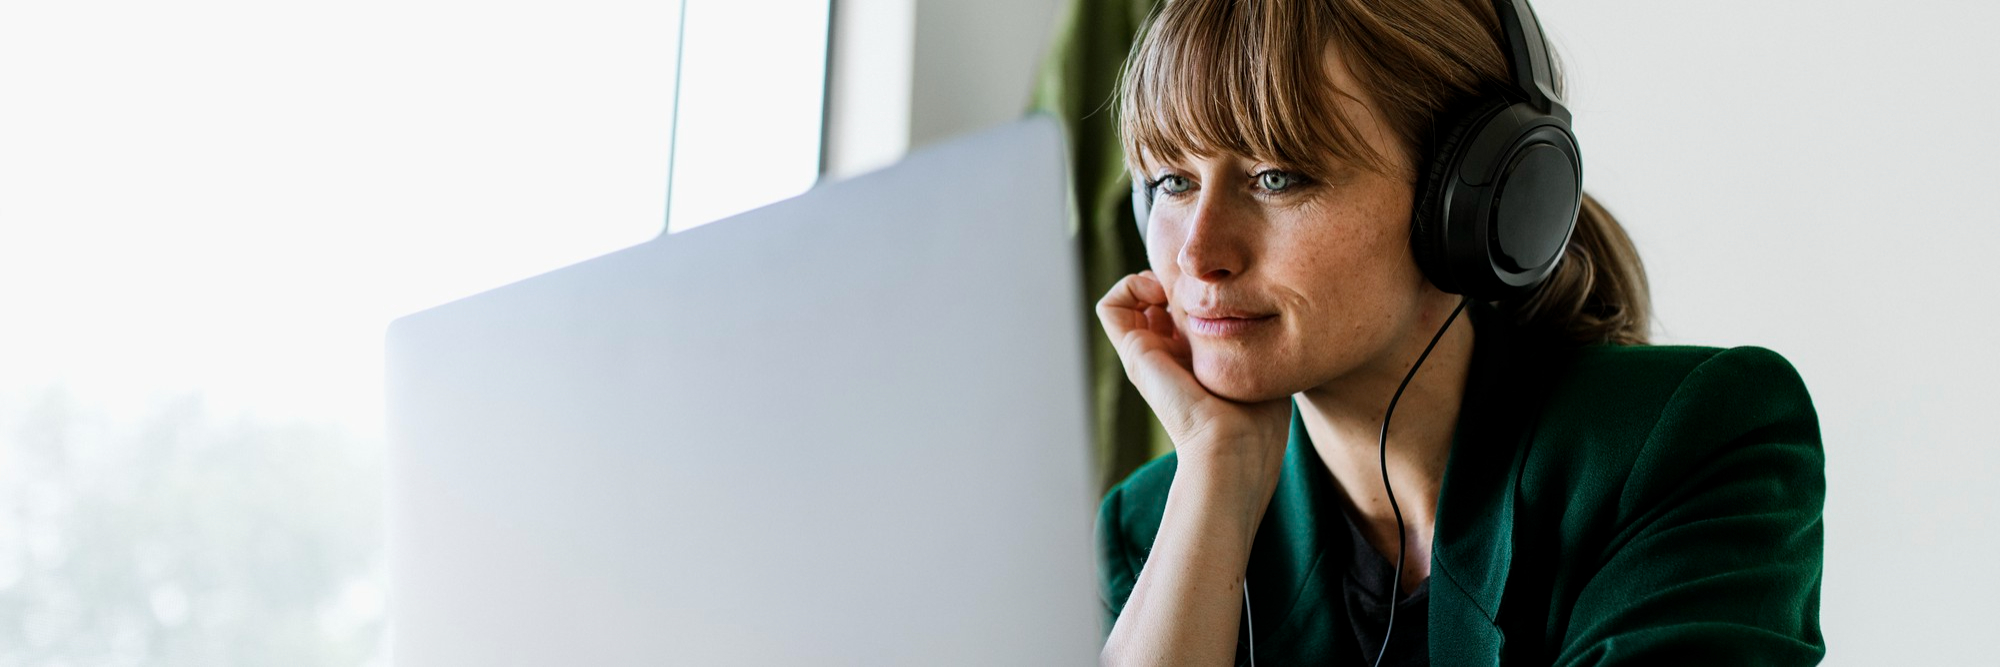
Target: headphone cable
(1382, 456)
(1250, 627)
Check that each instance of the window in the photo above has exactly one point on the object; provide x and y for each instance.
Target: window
(210, 210)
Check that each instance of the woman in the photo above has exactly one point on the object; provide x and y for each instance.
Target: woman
(1562, 492)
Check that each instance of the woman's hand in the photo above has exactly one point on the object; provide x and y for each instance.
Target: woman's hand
(1205, 428)
(1185, 605)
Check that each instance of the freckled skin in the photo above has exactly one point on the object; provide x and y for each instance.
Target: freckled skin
(1330, 257)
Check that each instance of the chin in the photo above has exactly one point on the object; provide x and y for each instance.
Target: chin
(1237, 381)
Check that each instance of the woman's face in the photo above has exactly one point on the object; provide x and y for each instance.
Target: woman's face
(1283, 283)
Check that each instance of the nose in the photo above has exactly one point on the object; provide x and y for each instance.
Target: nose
(1213, 249)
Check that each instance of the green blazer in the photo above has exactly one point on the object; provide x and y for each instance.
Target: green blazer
(1603, 505)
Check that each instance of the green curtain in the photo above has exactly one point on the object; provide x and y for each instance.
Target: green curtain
(1078, 84)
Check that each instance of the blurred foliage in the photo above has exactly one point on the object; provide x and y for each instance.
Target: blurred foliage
(181, 537)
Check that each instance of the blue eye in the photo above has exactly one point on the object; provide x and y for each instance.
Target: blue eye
(1172, 184)
(1275, 180)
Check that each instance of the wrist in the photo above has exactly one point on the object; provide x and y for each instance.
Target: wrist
(1240, 466)
(1228, 498)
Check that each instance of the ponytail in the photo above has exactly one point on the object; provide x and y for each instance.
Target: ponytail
(1598, 293)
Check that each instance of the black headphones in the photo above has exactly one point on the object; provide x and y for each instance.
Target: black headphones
(1502, 181)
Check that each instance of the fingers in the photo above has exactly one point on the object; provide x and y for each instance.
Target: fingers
(1160, 319)
(1160, 323)
(1134, 314)
(1134, 292)
(1136, 318)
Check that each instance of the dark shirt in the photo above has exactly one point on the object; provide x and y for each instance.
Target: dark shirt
(1363, 591)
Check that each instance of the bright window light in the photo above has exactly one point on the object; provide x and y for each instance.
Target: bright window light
(753, 89)
(209, 212)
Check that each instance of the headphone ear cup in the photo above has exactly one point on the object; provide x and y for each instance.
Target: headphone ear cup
(1427, 233)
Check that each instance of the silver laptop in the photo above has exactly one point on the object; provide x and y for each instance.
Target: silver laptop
(845, 429)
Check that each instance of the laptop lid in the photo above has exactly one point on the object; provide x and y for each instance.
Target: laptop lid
(845, 429)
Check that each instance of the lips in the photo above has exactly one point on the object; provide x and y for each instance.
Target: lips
(1213, 313)
(1225, 321)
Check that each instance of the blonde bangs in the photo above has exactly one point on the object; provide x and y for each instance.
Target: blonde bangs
(1220, 77)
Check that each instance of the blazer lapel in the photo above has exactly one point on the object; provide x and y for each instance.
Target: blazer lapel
(1473, 549)
(1296, 555)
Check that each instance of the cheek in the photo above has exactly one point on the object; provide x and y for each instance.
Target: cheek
(1362, 264)
(1344, 307)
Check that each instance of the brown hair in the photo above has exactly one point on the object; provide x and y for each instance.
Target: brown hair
(1247, 77)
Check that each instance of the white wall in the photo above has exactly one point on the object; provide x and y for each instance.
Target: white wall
(910, 72)
(749, 100)
(868, 81)
(976, 62)
(1813, 178)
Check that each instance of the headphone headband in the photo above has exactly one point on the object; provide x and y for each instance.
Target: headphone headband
(1528, 58)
